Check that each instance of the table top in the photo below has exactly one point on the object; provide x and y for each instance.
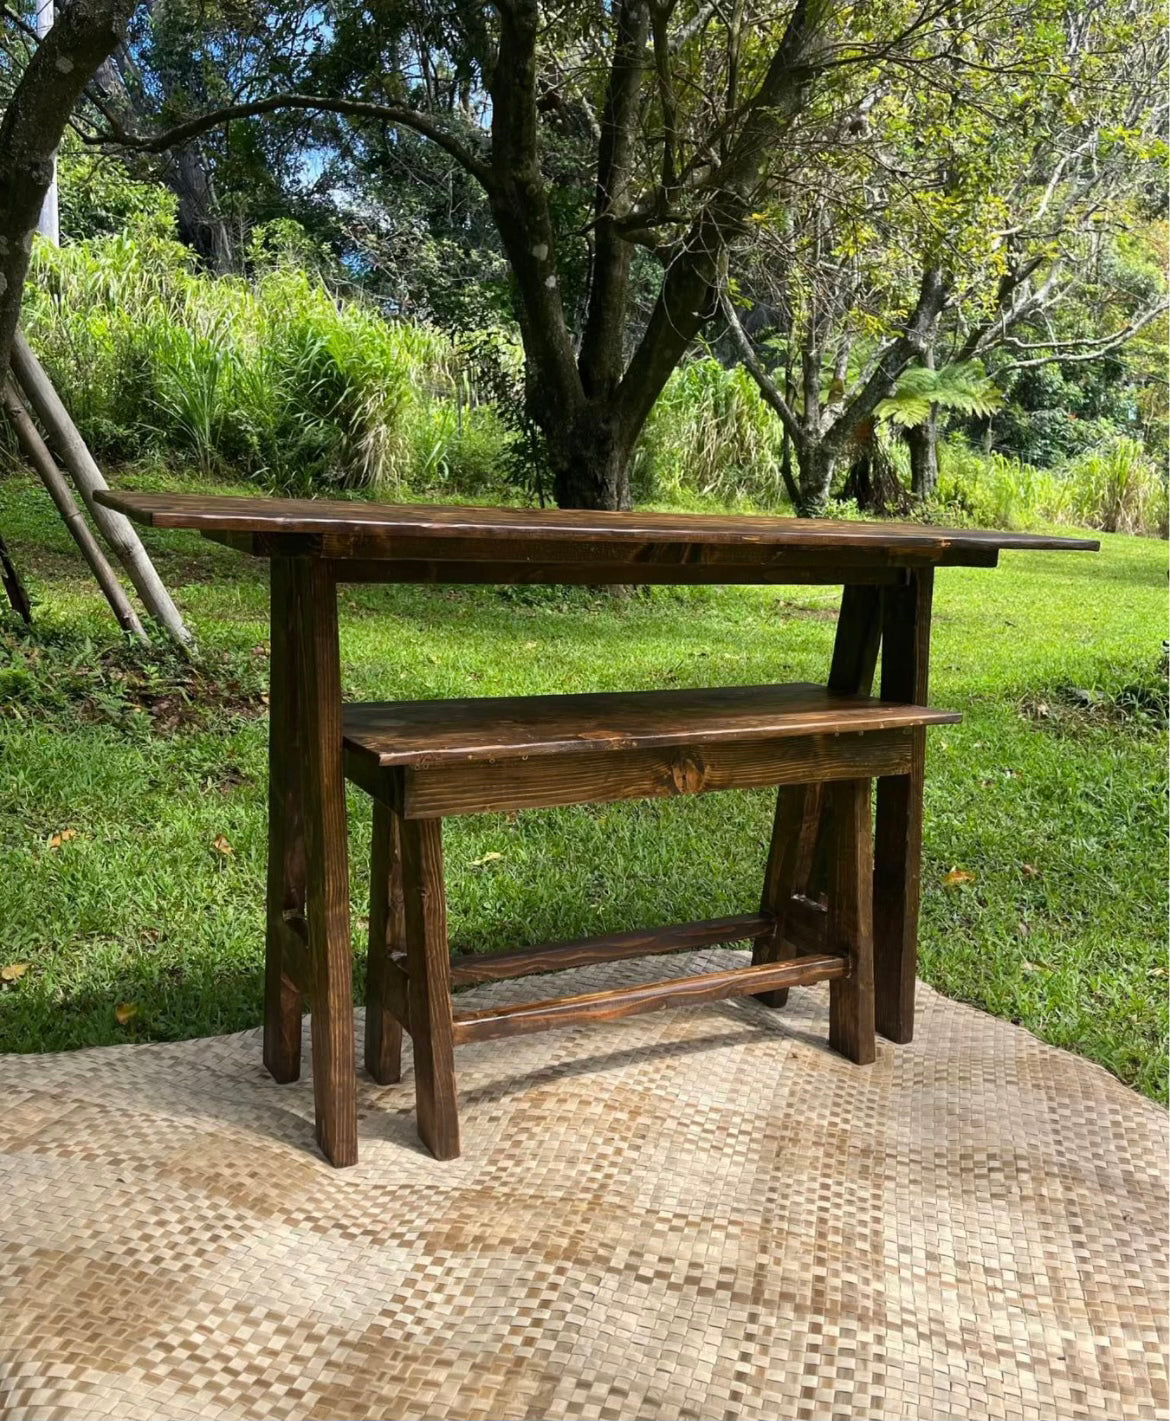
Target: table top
(401, 541)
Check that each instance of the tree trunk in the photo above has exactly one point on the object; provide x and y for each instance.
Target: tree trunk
(873, 481)
(922, 441)
(86, 32)
(817, 463)
(590, 458)
(201, 227)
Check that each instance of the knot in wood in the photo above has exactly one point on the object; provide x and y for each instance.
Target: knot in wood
(688, 773)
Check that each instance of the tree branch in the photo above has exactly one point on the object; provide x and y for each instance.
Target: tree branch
(688, 293)
(605, 322)
(1096, 348)
(933, 294)
(767, 387)
(118, 135)
(519, 200)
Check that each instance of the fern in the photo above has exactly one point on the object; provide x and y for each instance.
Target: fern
(955, 389)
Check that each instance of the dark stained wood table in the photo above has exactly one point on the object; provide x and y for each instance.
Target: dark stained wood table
(886, 571)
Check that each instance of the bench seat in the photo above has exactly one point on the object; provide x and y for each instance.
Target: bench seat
(430, 759)
(493, 728)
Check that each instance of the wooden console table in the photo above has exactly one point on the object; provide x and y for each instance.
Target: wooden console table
(885, 569)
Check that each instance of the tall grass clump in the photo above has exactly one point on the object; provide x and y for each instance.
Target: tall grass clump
(1117, 488)
(710, 435)
(274, 377)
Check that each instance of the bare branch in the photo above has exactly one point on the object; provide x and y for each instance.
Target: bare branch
(747, 356)
(397, 115)
(1068, 355)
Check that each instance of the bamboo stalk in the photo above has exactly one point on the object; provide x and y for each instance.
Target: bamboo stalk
(116, 528)
(54, 480)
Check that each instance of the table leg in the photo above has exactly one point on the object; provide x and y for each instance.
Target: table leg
(286, 836)
(855, 650)
(898, 831)
(794, 831)
(334, 1072)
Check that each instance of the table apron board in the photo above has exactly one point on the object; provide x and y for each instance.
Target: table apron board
(358, 558)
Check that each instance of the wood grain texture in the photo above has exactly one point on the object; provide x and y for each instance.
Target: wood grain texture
(898, 826)
(855, 647)
(544, 781)
(432, 734)
(286, 886)
(323, 781)
(384, 522)
(779, 571)
(650, 996)
(383, 1039)
(428, 964)
(469, 968)
(850, 920)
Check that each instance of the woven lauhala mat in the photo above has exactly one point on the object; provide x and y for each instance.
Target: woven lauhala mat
(698, 1213)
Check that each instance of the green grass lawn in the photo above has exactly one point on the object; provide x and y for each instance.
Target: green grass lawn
(136, 926)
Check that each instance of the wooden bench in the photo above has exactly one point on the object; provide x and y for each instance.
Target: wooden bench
(423, 760)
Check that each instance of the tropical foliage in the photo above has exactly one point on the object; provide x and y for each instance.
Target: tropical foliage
(293, 379)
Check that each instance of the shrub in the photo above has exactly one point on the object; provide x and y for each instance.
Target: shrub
(1117, 488)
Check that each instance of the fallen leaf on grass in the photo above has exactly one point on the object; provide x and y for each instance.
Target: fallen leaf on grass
(62, 836)
(957, 876)
(124, 1012)
(13, 972)
(487, 858)
(222, 845)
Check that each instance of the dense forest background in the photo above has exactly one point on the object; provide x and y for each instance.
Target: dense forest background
(910, 260)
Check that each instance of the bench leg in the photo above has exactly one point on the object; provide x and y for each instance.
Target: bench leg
(850, 925)
(794, 831)
(387, 936)
(429, 965)
(286, 836)
(334, 1077)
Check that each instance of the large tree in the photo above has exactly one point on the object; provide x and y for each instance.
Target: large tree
(967, 211)
(623, 150)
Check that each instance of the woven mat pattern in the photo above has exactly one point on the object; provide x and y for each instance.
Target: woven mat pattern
(698, 1213)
